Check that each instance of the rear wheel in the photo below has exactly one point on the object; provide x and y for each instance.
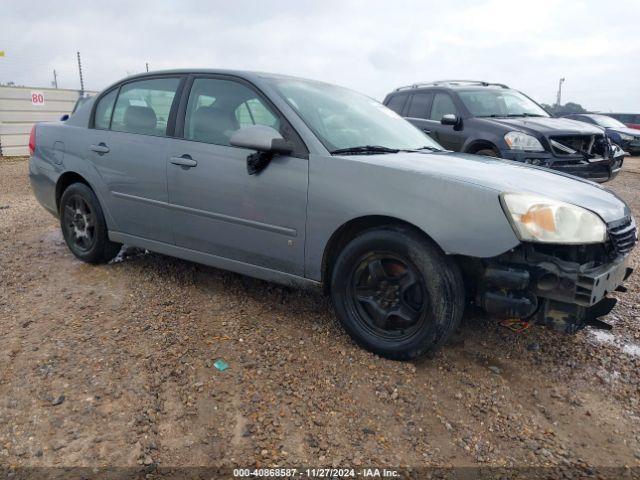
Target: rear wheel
(396, 294)
(83, 225)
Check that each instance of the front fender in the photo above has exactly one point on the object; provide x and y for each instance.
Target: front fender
(462, 218)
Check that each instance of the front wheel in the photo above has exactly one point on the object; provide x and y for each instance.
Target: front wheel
(396, 293)
(83, 225)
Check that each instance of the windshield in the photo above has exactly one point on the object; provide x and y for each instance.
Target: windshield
(500, 103)
(607, 122)
(344, 119)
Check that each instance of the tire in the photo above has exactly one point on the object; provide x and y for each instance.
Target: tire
(83, 225)
(408, 308)
(488, 152)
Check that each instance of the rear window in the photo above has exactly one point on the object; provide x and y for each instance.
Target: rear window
(104, 109)
(396, 102)
(144, 106)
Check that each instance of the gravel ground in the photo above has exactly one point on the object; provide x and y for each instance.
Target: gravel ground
(113, 365)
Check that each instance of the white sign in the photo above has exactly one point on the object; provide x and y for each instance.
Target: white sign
(37, 99)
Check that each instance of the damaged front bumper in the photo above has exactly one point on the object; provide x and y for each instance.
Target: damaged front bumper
(599, 169)
(566, 294)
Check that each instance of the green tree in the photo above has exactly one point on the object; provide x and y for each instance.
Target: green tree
(566, 109)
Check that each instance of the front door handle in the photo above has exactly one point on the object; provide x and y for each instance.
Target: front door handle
(101, 148)
(426, 130)
(184, 161)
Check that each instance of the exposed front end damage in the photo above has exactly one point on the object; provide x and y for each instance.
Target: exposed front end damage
(564, 287)
(588, 156)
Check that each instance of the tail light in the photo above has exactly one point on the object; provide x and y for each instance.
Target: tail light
(32, 140)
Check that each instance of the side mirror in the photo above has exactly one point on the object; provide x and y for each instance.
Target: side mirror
(261, 138)
(450, 119)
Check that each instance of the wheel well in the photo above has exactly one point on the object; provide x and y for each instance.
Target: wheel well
(348, 232)
(64, 181)
(478, 145)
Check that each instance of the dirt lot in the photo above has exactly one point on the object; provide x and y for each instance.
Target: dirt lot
(112, 365)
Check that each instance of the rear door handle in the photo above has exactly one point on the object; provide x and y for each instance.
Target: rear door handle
(184, 161)
(426, 130)
(101, 148)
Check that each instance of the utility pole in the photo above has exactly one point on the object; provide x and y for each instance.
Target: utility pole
(559, 99)
(81, 79)
(147, 66)
(55, 79)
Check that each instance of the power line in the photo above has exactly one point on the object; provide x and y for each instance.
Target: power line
(81, 79)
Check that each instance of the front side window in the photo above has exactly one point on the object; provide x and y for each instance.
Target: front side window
(442, 105)
(143, 107)
(342, 118)
(500, 103)
(218, 108)
(102, 117)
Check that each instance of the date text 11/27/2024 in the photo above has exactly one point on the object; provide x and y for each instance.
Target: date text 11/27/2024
(315, 472)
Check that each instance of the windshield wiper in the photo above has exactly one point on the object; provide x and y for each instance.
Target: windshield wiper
(524, 115)
(510, 115)
(364, 149)
(428, 147)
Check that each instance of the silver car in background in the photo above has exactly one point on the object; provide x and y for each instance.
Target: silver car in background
(313, 185)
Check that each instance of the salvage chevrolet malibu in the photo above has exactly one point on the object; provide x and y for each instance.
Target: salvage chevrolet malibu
(309, 184)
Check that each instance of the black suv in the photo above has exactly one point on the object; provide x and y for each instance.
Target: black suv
(493, 119)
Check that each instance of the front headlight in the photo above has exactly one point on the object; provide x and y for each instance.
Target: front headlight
(522, 141)
(540, 219)
(626, 137)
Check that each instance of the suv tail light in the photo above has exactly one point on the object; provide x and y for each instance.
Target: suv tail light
(32, 140)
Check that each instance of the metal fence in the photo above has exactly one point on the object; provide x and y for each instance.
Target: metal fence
(21, 107)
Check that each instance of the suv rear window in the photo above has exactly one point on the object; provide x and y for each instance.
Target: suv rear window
(396, 102)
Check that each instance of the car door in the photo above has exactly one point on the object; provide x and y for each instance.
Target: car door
(129, 148)
(216, 206)
(445, 135)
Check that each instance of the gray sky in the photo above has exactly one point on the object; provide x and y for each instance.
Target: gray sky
(370, 46)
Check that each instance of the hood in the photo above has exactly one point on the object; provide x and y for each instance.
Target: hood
(626, 130)
(507, 176)
(547, 125)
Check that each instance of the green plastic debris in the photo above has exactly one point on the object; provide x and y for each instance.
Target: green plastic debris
(221, 365)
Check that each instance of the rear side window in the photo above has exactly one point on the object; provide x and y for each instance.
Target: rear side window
(144, 106)
(104, 108)
(442, 105)
(419, 105)
(218, 108)
(396, 102)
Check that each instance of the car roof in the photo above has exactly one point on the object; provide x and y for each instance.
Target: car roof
(249, 75)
